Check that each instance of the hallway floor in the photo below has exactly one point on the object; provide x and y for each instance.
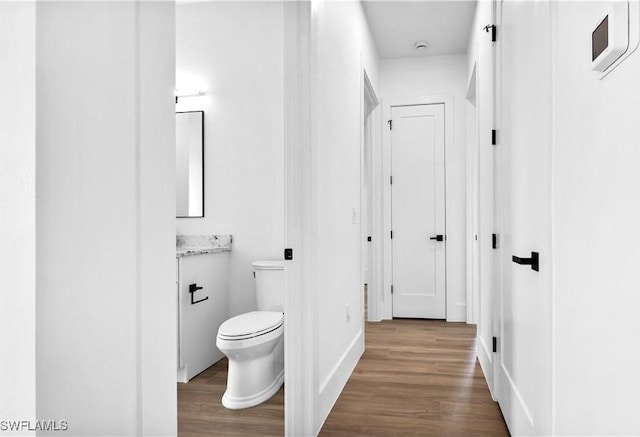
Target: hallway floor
(418, 378)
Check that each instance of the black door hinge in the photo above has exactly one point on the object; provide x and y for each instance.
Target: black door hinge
(391, 179)
(390, 122)
(391, 234)
(495, 344)
(288, 254)
(494, 241)
(491, 27)
(494, 135)
(391, 289)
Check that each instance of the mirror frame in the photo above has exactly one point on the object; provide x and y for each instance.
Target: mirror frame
(203, 166)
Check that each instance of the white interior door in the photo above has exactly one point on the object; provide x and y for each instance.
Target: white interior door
(523, 164)
(485, 275)
(418, 211)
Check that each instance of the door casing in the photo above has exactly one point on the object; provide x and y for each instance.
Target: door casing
(370, 205)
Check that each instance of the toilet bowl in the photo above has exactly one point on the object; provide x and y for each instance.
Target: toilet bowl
(254, 342)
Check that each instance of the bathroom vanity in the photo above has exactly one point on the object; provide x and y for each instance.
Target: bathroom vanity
(202, 286)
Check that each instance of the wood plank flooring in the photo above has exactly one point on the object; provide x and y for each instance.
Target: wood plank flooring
(200, 410)
(416, 378)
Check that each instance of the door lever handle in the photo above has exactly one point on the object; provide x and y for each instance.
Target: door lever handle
(437, 238)
(534, 261)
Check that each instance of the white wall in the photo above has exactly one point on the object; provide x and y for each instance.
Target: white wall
(17, 212)
(236, 50)
(158, 403)
(438, 75)
(105, 217)
(596, 238)
(343, 47)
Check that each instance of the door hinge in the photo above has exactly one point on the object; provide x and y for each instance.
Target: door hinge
(391, 234)
(494, 135)
(495, 344)
(391, 289)
(390, 122)
(492, 28)
(288, 254)
(494, 241)
(391, 179)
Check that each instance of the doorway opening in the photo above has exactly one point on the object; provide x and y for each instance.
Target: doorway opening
(245, 196)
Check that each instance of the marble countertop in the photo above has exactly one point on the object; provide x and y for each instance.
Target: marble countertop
(189, 245)
(190, 252)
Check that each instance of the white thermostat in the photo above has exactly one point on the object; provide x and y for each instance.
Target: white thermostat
(614, 35)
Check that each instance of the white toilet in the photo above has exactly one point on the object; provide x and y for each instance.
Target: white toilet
(254, 342)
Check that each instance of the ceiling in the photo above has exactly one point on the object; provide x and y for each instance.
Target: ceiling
(397, 25)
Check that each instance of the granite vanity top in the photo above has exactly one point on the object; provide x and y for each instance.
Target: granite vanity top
(188, 245)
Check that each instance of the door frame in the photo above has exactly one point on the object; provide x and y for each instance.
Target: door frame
(371, 207)
(301, 391)
(388, 104)
(472, 199)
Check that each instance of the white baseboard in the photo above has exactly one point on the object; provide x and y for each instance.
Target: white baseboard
(457, 312)
(182, 375)
(486, 363)
(333, 384)
(516, 413)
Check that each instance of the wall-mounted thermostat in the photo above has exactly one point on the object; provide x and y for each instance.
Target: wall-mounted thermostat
(610, 38)
(614, 35)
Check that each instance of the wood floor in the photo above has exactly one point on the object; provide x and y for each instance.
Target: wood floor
(416, 378)
(200, 411)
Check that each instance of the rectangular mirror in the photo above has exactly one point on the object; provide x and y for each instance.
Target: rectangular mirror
(190, 164)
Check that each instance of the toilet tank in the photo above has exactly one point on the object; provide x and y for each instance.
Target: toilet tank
(270, 285)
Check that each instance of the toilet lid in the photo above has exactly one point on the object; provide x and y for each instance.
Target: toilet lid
(250, 324)
(268, 264)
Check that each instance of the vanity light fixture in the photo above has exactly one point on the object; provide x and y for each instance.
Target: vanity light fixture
(180, 94)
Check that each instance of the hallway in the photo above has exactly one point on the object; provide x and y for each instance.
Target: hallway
(416, 377)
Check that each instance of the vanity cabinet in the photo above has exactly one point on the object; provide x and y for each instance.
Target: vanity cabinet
(203, 305)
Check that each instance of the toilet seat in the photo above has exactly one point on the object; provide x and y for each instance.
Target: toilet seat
(250, 325)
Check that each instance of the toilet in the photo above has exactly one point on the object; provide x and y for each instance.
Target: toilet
(254, 342)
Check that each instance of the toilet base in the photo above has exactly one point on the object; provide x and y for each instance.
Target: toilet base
(237, 403)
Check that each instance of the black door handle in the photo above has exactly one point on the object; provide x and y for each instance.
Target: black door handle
(534, 261)
(437, 238)
(192, 289)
